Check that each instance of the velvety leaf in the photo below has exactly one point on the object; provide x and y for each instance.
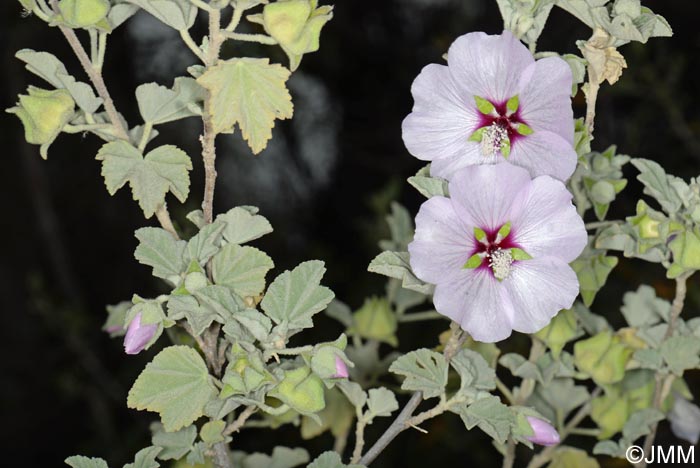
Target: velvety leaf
(151, 177)
(295, 296)
(251, 93)
(176, 384)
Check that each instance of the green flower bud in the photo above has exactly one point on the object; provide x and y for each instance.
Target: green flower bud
(376, 321)
(686, 253)
(602, 192)
(301, 390)
(244, 374)
(83, 13)
(603, 357)
(44, 113)
(610, 412)
(195, 281)
(562, 329)
(296, 25)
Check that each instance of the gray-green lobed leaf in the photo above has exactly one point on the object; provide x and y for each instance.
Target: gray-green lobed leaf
(294, 297)
(159, 105)
(174, 445)
(424, 370)
(242, 269)
(160, 250)
(151, 177)
(79, 461)
(51, 69)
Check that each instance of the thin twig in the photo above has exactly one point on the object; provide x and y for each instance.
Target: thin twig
(240, 421)
(400, 424)
(662, 385)
(94, 75)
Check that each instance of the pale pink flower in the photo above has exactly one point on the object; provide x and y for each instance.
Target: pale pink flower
(493, 101)
(498, 250)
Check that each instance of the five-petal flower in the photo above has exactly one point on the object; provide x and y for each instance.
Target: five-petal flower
(498, 250)
(493, 101)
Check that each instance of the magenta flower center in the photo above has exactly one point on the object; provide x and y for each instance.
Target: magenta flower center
(495, 251)
(500, 125)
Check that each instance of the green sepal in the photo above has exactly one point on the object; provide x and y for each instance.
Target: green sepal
(478, 135)
(504, 230)
(520, 254)
(484, 106)
(513, 104)
(524, 130)
(474, 262)
(479, 234)
(505, 148)
(44, 113)
(84, 13)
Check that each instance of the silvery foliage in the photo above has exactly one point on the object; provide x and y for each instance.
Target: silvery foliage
(231, 363)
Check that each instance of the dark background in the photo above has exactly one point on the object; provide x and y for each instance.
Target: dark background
(325, 184)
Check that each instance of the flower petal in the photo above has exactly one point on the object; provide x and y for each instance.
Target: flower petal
(548, 224)
(488, 194)
(545, 97)
(443, 116)
(545, 153)
(442, 243)
(478, 302)
(470, 155)
(539, 288)
(489, 66)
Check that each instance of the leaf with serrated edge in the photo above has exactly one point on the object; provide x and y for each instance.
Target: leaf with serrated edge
(145, 458)
(159, 105)
(78, 461)
(176, 384)
(330, 460)
(295, 296)
(241, 269)
(425, 371)
(251, 93)
(243, 226)
(160, 250)
(174, 445)
(381, 402)
(151, 177)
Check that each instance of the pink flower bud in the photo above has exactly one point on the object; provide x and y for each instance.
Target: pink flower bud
(138, 336)
(341, 369)
(544, 434)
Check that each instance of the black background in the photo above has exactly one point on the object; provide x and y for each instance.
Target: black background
(66, 244)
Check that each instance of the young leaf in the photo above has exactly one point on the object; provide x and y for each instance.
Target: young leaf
(163, 169)
(78, 461)
(282, 457)
(473, 370)
(295, 296)
(159, 249)
(159, 105)
(381, 402)
(243, 226)
(250, 92)
(492, 417)
(51, 69)
(176, 384)
(658, 184)
(178, 14)
(241, 269)
(330, 460)
(174, 445)
(425, 371)
(396, 265)
(145, 458)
